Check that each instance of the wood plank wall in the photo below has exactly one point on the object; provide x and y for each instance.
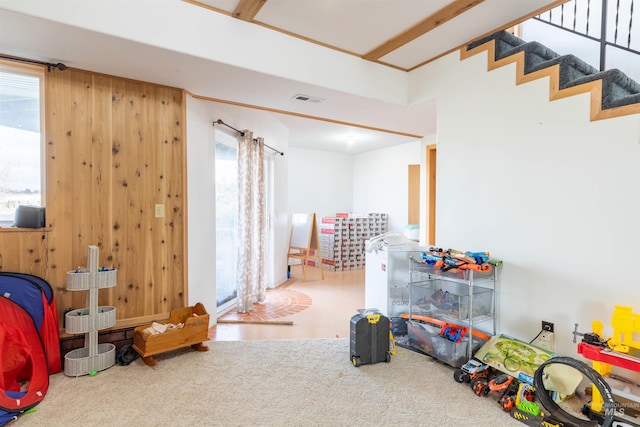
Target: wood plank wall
(114, 149)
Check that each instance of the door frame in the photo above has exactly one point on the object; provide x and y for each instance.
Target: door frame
(430, 220)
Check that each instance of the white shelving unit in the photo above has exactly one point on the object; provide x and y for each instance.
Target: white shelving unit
(93, 357)
(458, 297)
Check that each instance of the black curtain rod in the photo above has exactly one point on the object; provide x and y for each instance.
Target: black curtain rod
(220, 122)
(60, 66)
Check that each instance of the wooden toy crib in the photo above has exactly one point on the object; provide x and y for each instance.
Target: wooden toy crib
(194, 332)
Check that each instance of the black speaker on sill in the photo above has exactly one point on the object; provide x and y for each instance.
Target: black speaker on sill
(29, 217)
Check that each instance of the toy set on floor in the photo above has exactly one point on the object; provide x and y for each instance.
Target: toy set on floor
(621, 350)
(532, 384)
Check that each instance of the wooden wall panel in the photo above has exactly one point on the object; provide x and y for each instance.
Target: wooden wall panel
(24, 251)
(114, 149)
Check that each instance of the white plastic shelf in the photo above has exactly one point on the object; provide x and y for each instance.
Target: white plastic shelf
(93, 357)
(79, 362)
(79, 321)
(84, 280)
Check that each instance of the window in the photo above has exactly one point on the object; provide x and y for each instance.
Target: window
(21, 177)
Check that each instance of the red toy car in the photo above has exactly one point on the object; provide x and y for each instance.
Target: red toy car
(503, 384)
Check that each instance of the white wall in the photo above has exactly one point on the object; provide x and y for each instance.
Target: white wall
(320, 182)
(201, 33)
(380, 182)
(201, 189)
(544, 189)
(375, 181)
(201, 230)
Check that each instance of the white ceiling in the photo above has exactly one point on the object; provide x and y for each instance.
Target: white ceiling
(417, 30)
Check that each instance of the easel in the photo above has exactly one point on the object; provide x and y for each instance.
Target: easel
(304, 239)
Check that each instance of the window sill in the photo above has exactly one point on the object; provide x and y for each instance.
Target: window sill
(23, 230)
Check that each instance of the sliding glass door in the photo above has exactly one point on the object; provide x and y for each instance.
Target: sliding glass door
(226, 167)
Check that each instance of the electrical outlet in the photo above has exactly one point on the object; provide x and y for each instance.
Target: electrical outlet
(546, 340)
(159, 211)
(547, 326)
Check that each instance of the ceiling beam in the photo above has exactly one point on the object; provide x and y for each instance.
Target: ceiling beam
(445, 14)
(304, 116)
(248, 9)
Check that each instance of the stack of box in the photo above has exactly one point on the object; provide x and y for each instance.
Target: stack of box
(342, 239)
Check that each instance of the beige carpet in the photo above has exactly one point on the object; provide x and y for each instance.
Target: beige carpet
(268, 383)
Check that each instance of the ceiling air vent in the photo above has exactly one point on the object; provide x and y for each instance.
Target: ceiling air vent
(307, 98)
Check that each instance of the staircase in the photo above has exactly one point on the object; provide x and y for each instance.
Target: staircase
(613, 93)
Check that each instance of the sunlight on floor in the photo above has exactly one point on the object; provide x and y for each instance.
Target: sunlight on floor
(333, 301)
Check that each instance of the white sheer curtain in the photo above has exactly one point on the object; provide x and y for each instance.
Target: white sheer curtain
(251, 223)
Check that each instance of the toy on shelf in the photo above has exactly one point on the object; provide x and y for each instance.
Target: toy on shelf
(453, 259)
(439, 300)
(444, 341)
(453, 333)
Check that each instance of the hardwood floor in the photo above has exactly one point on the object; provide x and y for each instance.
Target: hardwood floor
(333, 301)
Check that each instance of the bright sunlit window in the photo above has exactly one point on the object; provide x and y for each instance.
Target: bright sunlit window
(21, 171)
